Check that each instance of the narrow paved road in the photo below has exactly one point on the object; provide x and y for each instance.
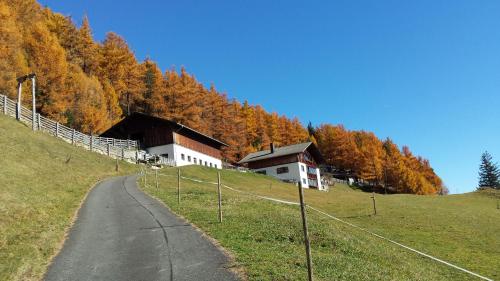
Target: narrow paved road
(123, 234)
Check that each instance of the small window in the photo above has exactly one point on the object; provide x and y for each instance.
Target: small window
(189, 158)
(165, 155)
(206, 164)
(201, 162)
(215, 165)
(304, 181)
(194, 160)
(282, 170)
(210, 165)
(183, 157)
(302, 168)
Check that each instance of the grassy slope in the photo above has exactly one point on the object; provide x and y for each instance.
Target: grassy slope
(266, 237)
(39, 194)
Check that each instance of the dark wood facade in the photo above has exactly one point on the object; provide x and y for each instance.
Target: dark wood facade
(152, 131)
(282, 160)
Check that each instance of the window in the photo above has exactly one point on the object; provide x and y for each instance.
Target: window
(201, 162)
(206, 164)
(189, 158)
(183, 157)
(282, 170)
(304, 181)
(164, 155)
(215, 165)
(263, 172)
(302, 168)
(210, 165)
(194, 160)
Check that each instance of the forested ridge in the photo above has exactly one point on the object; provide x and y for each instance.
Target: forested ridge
(91, 85)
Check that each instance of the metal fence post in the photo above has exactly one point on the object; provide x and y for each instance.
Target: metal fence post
(156, 178)
(178, 186)
(219, 197)
(306, 233)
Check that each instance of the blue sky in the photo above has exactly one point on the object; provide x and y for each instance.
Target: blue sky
(425, 73)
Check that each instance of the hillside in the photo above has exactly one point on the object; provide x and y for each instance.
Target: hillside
(266, 237)
(42, 182)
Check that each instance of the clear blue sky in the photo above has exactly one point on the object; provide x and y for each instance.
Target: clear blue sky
(425, 73)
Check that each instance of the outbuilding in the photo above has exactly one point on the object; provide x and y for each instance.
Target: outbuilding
(169, 139)
(295, 163)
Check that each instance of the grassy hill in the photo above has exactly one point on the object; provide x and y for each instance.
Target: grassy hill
(40, 192)
(266, 237)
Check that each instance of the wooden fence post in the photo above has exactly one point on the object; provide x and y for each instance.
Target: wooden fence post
(374, 205)
(137, 157)
(91, 142)
(57, 129)
(219, 197)
(156, 178)
(33, 115)
(178, 186)
(18, 104)
(306, 233)
(73, 137)
(5, 105)
(39, 120)
(116, 165)
(108, 149)
(123, 153)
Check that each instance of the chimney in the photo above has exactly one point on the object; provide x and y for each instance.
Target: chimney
(272, 147)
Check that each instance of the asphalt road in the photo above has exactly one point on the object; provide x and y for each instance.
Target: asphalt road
(123, 234)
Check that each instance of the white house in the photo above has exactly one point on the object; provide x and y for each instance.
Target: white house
(296, 163)
(158, 136)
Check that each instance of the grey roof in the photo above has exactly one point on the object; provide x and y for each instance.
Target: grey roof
(279, 151)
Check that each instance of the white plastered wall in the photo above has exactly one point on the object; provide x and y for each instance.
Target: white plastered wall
(176, 151)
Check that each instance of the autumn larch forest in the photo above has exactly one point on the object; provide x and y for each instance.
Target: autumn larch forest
(91, 85)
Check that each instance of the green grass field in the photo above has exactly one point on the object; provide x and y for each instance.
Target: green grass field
(39, 195)
(266, 238)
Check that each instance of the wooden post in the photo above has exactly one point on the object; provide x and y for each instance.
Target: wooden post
(178, 186)
(374, 206)
(18, 105)
(73, 137)
(156, 178)
(91, 142)
(123, 153)
(108, 149)
(306, 233)
(5, 105)
(117, 168)
(33, 103)
(39, 121)
(136, 157)
(220, 197)
(57, 129)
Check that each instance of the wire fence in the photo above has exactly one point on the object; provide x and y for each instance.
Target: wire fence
(116, 148)
(145, 172)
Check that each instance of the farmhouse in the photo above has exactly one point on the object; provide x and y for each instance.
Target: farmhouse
(298, 162)
(158, 136)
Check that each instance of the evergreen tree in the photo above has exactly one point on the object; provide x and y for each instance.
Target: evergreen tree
(488, 172)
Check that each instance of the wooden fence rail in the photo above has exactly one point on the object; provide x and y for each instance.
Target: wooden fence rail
(116, 148)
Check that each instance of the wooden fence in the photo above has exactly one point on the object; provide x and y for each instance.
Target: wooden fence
(116, 148)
